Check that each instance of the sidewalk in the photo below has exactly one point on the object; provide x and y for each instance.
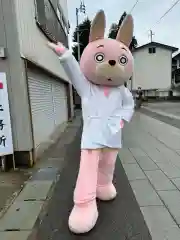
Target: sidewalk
(119, 219)
(25, 207)
(151, 159)
(10, 185)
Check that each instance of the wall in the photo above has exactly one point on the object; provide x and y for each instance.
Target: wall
(14, 68)
(64, 5)
(178, 63)
(33, 43)
(152, 71)
(176, 93)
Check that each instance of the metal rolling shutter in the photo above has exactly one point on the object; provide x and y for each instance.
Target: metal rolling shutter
(60, 102)
(48, 99)
(40, 92)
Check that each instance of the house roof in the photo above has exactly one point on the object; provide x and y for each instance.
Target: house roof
(176, 56)
(156, 44)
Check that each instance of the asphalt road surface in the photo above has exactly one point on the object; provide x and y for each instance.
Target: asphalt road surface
(169, 107)
(171, 121)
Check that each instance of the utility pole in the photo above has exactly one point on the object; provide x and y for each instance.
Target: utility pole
(151, 34)
(81, 9)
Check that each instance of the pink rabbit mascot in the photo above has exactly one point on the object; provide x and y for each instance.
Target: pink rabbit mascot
(104, 67)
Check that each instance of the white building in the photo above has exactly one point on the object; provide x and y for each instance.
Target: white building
(153, 69)
(39, 91)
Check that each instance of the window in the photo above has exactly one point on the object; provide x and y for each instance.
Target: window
(177, 79)
(50, 20)
(152, 50)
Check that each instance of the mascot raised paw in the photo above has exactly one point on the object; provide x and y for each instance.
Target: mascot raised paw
(106, 103)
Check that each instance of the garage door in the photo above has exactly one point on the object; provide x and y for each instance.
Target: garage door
(48, 99)
(60, 102)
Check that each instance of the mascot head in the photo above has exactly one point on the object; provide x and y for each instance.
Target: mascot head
(107, 61)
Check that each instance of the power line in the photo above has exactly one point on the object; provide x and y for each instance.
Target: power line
(164, 14)
(117, 28)
(173, 5)
(137, 1)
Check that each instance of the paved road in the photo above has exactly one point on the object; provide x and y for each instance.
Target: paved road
(151, 159)
(120, 219)
(166, 106)
(169, 120)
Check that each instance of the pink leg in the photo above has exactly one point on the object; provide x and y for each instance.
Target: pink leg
(105, 189)
(84, 213)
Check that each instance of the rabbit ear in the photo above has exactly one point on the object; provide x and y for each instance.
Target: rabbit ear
(98, 27)
(125, 32)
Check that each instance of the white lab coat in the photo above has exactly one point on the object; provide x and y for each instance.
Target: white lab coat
(101, 114)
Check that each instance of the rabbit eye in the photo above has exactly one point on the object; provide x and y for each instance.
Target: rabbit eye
(123, 60)
(99, 57)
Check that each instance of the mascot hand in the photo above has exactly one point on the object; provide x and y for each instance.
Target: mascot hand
(121, 124)
(58, 48)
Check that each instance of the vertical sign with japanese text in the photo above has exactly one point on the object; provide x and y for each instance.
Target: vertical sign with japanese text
(6, 141)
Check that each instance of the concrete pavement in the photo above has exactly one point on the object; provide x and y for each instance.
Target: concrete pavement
(149, 193)
(11, 184)
(119, 219)
(28, 204)
(151, 159)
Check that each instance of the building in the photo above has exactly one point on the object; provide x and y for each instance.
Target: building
(153, 69)
(40, 94)
(176, 75)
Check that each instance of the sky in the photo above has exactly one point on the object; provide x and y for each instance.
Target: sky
(146, 14)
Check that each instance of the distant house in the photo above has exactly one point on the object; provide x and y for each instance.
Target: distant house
(153, 69)
(176, 75)
(176, 69)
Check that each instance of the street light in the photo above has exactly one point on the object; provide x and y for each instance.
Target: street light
(81, 9)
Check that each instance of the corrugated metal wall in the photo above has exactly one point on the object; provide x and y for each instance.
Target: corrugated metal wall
(48, 99)
(60, 102)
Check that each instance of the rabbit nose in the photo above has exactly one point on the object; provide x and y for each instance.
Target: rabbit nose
(112, 62)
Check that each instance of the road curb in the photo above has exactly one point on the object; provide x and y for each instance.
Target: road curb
(161, 113)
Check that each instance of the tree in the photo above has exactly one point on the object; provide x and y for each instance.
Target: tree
(113, 31)
(84, 30)
(115, 28)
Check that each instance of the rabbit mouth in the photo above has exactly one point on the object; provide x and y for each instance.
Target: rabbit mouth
(109, 80)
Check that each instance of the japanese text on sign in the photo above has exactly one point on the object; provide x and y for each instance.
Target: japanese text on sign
(6, 142)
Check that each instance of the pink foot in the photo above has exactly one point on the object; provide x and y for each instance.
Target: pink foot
(83, 217)
(107, 192)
